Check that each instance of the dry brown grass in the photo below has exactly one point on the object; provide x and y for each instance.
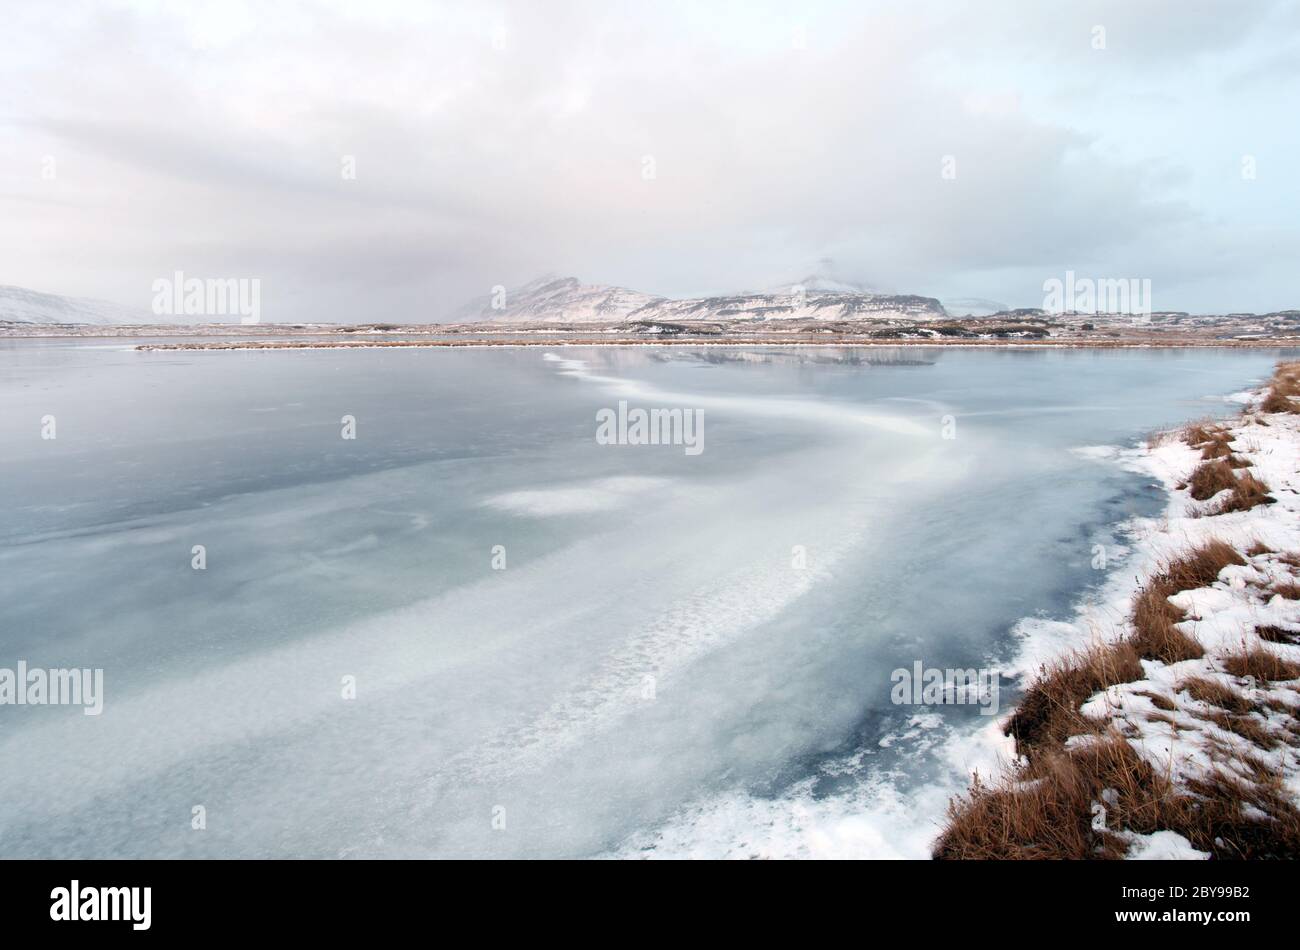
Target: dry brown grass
(1046, 810)
(1161, 437)
(1210, 437)
(1277, 402)
(1215, 819)
(1160, 702)
(1245, 725)
(1045, 807)
(1261, 664)
(1278, 635)
(1201, 566)
(1154, 635)
(1049, 712)
(1248, 492)
(1201, 431)
(1287, 589)
(1209, 479)
(1213, 440)
(1215, 694)
(1216, 449)
(1283, 389)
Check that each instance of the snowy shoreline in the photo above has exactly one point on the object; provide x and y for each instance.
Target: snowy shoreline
(876, 818)
(1196, 720)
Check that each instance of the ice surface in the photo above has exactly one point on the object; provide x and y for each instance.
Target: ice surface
(650, 674)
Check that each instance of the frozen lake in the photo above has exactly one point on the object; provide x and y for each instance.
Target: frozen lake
(472, 630)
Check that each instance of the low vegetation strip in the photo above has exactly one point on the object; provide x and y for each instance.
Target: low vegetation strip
(786, 338)
(1176, 734)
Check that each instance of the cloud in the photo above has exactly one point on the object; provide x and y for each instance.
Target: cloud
(492, 144)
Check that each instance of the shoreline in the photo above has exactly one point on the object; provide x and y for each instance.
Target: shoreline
(1164, 720)
(857, 342)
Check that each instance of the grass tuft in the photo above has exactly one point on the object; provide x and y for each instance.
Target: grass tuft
(1261, 664)
(1154, 635)
(1209, 479)
(1200, 432)
(1287, 589)
(1049, 712)
(1278, 635)
(1284, 389)
(1215, 693)
(1248, 492)
(1245, 725)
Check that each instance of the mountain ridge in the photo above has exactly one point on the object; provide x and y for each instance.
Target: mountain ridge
(21, 305)
(554, 299)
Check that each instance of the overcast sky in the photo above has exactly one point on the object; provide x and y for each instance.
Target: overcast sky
(493, 143)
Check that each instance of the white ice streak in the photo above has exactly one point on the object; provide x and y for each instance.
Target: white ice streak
(578, 498)
(817, 411)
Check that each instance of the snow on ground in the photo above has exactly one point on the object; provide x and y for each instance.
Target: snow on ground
(1170, 730)
(1161, 720)
(1163, 846)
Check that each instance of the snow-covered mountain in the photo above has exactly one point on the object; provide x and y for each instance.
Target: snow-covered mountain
(550, 299)
(20, 305)
(556, 300)
(568, 300)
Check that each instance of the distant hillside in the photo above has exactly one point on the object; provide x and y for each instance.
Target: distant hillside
(19, 305)
(568, 300)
